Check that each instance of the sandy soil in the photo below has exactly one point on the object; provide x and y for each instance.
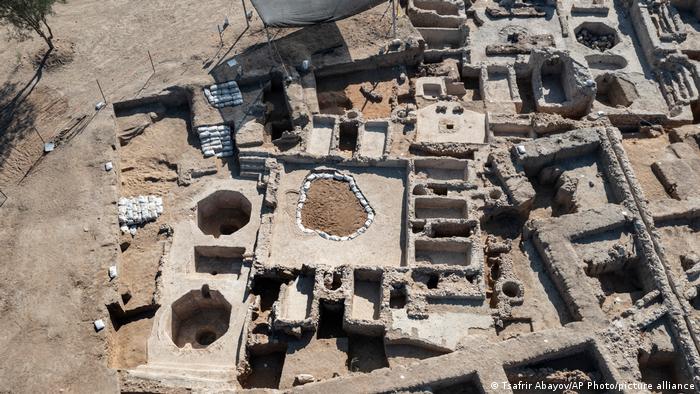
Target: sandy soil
(138, 266)
(332, 207)
(642, 153)
(130, 342)
(57, 243)
(337, 94)
(59, 228)
(147, 165)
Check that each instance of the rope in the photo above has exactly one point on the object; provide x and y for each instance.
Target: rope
(273, 47)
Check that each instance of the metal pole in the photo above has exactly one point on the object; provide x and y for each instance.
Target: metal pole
(245, 14)
(393, 16)
(101, 92)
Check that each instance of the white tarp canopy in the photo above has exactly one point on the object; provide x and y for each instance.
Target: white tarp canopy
(291, 13)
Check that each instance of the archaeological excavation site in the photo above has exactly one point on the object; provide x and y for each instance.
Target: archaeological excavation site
(425, 196)
(506, 192)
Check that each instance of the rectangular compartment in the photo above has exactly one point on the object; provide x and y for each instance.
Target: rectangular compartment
(216, 260)
(442, 169)
(367, 296)
(321, 136)
(440, 207)
(297, 298)
(443, 252)
(374, 139)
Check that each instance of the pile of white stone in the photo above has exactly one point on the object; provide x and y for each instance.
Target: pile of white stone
(135, 211)
(226, 94)
(353, 187)
(216, 140)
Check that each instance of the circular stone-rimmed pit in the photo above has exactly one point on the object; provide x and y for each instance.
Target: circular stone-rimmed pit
(512, 290)
(336, 209)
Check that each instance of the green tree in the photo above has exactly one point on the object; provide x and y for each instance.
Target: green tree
(28, 15)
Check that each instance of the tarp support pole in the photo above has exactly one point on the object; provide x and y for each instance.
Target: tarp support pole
(273, 52)
(245, 14)
(393, 16)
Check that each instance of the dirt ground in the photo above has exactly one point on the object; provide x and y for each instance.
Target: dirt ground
(642, 153)
(58, 227)
(148, 166)
(129, 344)
(333, 208)
(336, 94)
(57, 243)
(138, 265)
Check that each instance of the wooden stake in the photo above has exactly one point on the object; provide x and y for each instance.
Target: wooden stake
(40, 137)
(151, 59)
(101, 92)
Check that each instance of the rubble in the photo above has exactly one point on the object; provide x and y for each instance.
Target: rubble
(601, 42)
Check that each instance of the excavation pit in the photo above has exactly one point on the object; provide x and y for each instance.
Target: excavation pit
(266, 371)
(597, 35)
(276, 109)
(513, 290)
(365, 354)
(374, 139)
(218, 260)
(442, 169)
(440, 7)
(367, 296)
(440, 208)
(330, 323)
(451, 253)
(552, 84)
(297, 298)
(342, 92)
(581, 366)
(199, 318)
(398, 298)
(452, 229)
(614, 91)
(348, 136)
(223, 213)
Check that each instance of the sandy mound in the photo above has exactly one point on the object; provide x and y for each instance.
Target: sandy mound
(332, 207)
